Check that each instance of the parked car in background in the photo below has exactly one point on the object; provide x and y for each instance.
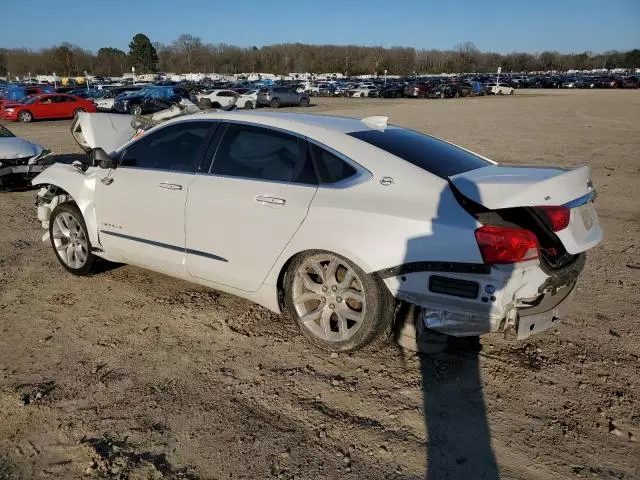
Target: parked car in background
(276, 97)
(218, 99)
(150, 99)
(364, 91)
(105, 103)
(450, 90)
(248, 100)
(500, 89)
(20, 160)
(417, 90)
(395, 90)
(47, 106)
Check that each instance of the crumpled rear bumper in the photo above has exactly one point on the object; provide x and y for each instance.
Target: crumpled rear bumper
(527, 301)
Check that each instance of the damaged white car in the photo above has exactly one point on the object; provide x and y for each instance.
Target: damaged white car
(335, 221)
(20, 160)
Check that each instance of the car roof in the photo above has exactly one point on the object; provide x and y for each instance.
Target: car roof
(328, 122)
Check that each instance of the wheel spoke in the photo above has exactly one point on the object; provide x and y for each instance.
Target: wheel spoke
(70, 255)
(347, 280)
(354, 295)
(309, 284)
(342, 325)
(305, 297)
(311, 316)
(325, 321)
(81, 254)
(330, 274)
(63, 226)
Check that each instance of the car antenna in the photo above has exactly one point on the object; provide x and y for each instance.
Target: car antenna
(377, 121)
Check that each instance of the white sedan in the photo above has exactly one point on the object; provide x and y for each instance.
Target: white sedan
(500, 89)
(248, 100)
(335, 221)
(220, 98)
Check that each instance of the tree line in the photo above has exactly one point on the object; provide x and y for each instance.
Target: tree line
(190, 54)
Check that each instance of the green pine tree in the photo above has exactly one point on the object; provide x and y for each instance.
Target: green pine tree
(142, 54)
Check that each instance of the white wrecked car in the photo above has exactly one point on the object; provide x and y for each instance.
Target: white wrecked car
(20, 160)
(333, 220)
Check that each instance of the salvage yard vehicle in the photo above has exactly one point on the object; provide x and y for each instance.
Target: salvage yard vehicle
(105, 103)
(149, 100)
(248, 100)
(276, 97)
(219, 98)
(20, 160)
(47, 106)
(332, 220)
(500, 89)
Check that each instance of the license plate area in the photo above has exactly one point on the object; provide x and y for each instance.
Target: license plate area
(587, 215)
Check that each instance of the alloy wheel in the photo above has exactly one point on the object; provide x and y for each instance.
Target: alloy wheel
(329, 298)
(70, 240)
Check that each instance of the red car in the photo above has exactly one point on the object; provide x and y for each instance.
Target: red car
(52, 105)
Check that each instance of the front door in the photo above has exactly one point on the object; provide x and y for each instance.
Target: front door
(242, 214)
(140, 205)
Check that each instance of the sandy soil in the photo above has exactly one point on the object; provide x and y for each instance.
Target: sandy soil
(131, 374)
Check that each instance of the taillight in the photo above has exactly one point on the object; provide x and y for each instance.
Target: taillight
(558, 216)
(506, 245)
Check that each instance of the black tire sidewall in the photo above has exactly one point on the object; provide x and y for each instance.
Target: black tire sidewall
(71, 207)
(378, 318)
(275, 103)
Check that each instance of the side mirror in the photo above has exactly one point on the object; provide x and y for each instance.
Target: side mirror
(99, 158)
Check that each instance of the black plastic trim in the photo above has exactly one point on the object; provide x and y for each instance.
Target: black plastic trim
(452, 267)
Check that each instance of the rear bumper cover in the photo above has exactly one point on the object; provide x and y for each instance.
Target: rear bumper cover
(527, 300)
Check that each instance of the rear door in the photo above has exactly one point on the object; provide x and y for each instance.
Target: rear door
(241, 215)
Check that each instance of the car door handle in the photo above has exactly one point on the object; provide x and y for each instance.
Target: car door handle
(170, 186)
(270, 200)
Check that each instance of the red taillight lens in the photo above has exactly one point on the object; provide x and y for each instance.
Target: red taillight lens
(559, 217)
(506, 245)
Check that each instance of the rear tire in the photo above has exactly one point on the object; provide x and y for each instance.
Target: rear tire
(336, 305)
(70, 239)
(304, 102)
(215, 105)
(275, 103)
(25, 116)
(135, 110)
(248, 104)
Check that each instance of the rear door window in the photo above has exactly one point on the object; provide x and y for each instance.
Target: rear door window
(248, 151)
(330, 167)
(435, 156)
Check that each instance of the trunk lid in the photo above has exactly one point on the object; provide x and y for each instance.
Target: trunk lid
(504, 188)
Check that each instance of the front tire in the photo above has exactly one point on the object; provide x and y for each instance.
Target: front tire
(136, 110)
(304, 102)
(70, 239)
(248, 105)
(25, 116)
(336, 305)
(275, 103)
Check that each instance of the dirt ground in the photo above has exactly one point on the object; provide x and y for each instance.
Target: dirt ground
(134, 375)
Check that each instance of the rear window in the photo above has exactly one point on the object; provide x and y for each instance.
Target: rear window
(428, 153)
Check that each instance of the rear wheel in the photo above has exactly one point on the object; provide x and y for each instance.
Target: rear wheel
(248, 104)
(25, 116)
(275, 103)
(304, 102)
(336, 305)
(512, 92)
(135, 110)
(215, 105)
(70, 239)
(499, 92)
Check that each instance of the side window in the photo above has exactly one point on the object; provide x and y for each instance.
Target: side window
(331, 168)
(176, 147)
(69, 99)
(262, 154)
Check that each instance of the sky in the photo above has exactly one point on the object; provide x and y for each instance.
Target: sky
(499, 26)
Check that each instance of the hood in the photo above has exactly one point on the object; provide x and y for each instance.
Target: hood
(497, 186)
(101, 130)
(14, 147)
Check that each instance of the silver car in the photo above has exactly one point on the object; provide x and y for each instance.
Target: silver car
(276, 97)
